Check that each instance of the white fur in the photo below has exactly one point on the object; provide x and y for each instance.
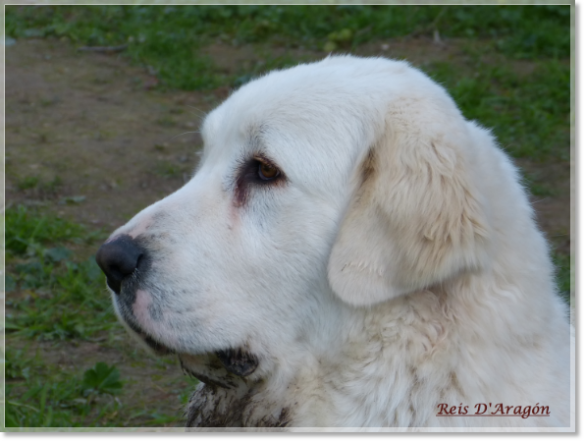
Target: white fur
(398, 266)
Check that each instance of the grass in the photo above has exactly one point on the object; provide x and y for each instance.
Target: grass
(48, 397)
(39, 186)
(52, 297)
(563, 274)
(44, 394)
(170, 169)
(538, 104)
(168, 38)
(28, 183)
(57, 295)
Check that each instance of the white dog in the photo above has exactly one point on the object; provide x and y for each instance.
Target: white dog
(351, 252)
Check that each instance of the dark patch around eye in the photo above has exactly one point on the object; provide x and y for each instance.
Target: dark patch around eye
(247, 176)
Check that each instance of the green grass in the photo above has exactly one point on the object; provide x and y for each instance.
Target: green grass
(44, 394)
(170, 169)
(563, 274)
(41, 187)
(28, 183)
(529, 113)
(168, 38)
(50, 397)
(51, 297)
(27, 231)
(538, 187)
(56, 294)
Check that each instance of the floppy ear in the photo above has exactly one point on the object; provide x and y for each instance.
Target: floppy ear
(416, 218)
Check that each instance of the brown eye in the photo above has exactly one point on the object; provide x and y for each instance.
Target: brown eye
(267, 172)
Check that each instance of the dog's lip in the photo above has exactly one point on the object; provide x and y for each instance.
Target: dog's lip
(114, 287)
(159, 348)
(155, 345)
(236, 360)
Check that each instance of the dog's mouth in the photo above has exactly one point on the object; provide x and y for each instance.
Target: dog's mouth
(236, 361)
(158, 348)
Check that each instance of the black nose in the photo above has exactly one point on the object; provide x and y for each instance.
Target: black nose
(119, 259)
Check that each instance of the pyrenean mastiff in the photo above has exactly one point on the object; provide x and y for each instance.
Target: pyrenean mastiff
(351, 252)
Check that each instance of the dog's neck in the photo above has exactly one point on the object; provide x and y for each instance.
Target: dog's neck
(321, 371)
(264, 398)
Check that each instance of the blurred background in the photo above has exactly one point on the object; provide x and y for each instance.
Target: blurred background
(103, 105)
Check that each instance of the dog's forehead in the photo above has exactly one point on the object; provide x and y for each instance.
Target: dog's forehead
(315, 113)
(304, 93)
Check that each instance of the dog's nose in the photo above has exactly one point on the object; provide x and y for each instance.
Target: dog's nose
(119, 259)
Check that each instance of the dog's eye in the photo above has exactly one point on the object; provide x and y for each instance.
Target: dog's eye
(267, 172)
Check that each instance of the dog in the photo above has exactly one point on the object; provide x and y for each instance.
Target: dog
(352, 253)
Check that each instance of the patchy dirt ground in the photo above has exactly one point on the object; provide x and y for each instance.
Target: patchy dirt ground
(88, 120)
(101, 143)
(93, 130)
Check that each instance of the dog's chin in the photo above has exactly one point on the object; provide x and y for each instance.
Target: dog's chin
(155, 346)
(214, 367)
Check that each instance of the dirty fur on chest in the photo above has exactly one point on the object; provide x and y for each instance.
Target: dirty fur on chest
(213, 406)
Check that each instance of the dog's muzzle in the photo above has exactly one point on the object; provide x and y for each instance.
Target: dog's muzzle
(120, 259)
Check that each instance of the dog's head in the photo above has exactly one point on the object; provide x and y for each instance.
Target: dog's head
(343, 182)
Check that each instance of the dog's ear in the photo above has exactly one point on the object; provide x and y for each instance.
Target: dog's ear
(416, 218)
